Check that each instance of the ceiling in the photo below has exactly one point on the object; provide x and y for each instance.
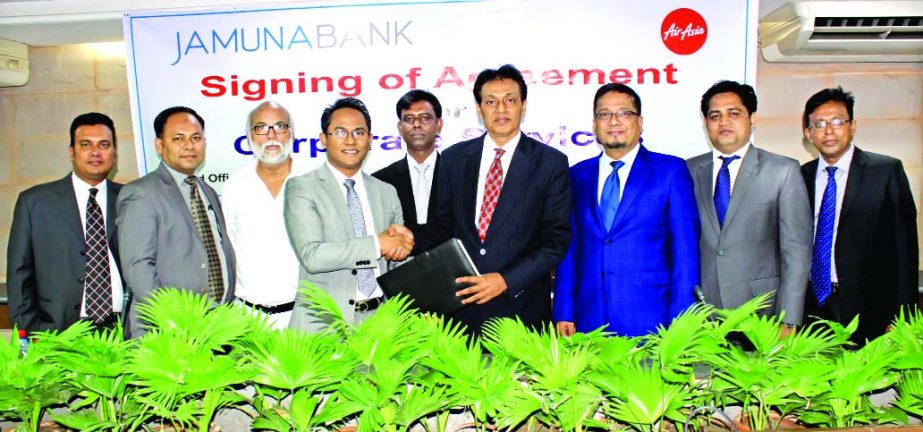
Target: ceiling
(60, 22)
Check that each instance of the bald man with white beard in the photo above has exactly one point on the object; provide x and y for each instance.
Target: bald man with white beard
(267, 268)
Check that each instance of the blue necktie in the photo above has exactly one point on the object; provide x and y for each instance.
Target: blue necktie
(723, 188)
(609, 202)
(823, 240)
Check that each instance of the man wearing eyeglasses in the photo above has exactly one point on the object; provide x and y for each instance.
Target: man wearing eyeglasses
(332, 215)
(506, 197)
(753, 208)
(634, 261)
(419, 115)
(267, 268)
(170, 221)
(865, 257)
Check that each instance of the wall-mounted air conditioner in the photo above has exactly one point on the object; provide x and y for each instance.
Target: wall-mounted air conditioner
(844, 31)
(14, 64)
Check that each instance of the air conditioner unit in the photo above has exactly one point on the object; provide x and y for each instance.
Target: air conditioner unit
(14, 64)
(844, 31)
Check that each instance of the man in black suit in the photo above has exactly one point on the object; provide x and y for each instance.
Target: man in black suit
(866, 254)
(419, 115)
(507, 198)
(58, 265)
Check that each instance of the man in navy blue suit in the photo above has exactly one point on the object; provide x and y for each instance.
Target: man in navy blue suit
(634, 260)
(507, 198)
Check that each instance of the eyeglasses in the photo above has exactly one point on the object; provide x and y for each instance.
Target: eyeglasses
(343, 133)
(621, 115)
(822, 124)
(424, 119)
(263, 129)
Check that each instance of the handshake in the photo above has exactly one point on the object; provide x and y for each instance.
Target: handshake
(396, 242)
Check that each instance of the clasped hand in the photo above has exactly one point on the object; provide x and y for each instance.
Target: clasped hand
(396, 242)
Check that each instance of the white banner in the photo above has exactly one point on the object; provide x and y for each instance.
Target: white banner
(222, 63)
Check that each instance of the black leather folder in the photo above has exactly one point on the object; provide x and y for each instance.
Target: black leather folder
(429, 278)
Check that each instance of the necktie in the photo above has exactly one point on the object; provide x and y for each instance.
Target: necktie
(421, 193)
(204, 227)
(609, 201)
(98, 281)
(492, 186)
(823, 240)
(723, 188)
(366, 276)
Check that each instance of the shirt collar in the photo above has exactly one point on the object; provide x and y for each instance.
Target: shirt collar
(80, 185)
(340, 177)
(178, 177)
(509, 147)
(629, 158)
(740, 152)
(842, 164)
(429, 161)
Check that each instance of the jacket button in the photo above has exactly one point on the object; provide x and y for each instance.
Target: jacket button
(77, 306)
(720, 252)
(608, 242)
(80, 280)
(83, 253)
(352, 302)
(354, 272)
(483, 251)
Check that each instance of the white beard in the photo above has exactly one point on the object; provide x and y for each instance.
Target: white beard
(276, 157)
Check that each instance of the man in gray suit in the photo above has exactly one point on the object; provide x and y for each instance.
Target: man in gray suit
(172, 221)
(50, 261)
(753, 207)
(332, 215)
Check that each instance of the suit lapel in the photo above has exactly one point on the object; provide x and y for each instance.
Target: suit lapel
(748, 169)
(706, 186)
(515, 179)
(111, 198)
(637, 178)
(857, 170)
(469, 184)
(70, 210)
(330, 186)
(376, 204)
(404, 187)
(590, 179)
(174, 196)
(431, 210)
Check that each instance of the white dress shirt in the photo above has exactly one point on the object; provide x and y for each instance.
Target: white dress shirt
(421, 180)
(733, 167)
(487, 159)
(605, 168)
(820, 184)
(267, 267)
(367, 218)
(82, 192)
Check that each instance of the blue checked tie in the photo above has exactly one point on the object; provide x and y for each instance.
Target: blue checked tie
(723, 188)
(823, 241)
(609, 202)
(366, 276)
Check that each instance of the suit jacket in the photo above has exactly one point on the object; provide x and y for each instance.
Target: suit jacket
(877, 254)
(161, 246)
(528, 234)
(642, 272)
(46, 258)
(398, 175)
(321, 231)
(765, 244)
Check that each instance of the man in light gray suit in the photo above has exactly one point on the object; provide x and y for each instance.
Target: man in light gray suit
(753, 207)
(332, 215)
(172, 222)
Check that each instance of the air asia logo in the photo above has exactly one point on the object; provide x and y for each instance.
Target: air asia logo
(684, 31)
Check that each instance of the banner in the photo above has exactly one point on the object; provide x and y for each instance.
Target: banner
(223, 63)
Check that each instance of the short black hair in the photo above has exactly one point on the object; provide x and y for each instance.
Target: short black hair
(618, 88)
(161, 120)
(828, 95)
(92, 119)
(506, 71)
(746, 94)
(415, 96)
(347, 102)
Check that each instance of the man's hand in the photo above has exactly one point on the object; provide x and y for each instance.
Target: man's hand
(396, 242)
(565, 328)
(482, 289)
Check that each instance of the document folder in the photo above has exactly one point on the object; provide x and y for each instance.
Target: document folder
(429, 278)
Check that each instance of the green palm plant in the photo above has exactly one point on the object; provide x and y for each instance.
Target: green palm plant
(187, 363)
(29, 384)
(907, 337)
(557, 373)
(96, 361)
